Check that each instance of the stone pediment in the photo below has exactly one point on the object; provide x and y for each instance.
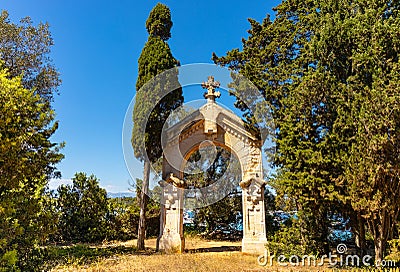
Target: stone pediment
(208, 117)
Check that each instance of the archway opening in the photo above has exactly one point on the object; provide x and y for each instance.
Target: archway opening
(213, 201)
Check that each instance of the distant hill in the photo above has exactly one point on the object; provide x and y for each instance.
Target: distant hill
(120, 194)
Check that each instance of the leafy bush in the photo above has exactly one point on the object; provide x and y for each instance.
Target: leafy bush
(287, 240)
(394, 250)
(83, 210)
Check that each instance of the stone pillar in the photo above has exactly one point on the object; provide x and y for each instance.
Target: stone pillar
(171, 239)
(254, 232)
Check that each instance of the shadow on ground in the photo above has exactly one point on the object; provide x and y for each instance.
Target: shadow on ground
(85, 254)
(214, 249)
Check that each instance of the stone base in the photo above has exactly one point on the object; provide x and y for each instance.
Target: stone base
(254, 246)
(171, 243)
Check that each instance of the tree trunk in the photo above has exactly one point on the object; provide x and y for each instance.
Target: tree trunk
(379, 250)
(143, 204)
(362, 245)
(381, 228)
(363, 242)
(138, 192)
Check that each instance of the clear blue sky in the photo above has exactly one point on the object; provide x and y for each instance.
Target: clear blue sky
(97, 45)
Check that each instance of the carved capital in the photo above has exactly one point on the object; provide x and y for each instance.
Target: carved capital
(260, 183)
(245, 183)
(162, 183)
(175, 181)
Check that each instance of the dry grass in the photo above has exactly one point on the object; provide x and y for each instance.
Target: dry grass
(201, 255)
(191, 243)
(226, 261)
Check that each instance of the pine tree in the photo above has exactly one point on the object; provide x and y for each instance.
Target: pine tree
(148, 117)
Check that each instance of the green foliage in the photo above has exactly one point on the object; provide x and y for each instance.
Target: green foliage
(153, 218)
(27, 162)
(159, 22)
(25, 50)
(394, 253)
(9, 261)
(221, 219)
(361, 73)
(272, 59)
(148, 118)
(124, 218)
(87, 216)
(271, 223)
(83, 210)
(329, 74)
(28, 157)
(287, 241)
(367, 128)
(206, 166)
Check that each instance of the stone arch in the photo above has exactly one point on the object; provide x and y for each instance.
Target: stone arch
(219, 126)
(196, 147)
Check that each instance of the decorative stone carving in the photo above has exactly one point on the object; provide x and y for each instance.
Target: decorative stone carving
(252, 180)
(176, 181)
(211, 85)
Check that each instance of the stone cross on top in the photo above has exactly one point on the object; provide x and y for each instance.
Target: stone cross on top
(211, 85)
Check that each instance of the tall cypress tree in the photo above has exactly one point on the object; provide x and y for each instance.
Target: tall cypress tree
(148, 117)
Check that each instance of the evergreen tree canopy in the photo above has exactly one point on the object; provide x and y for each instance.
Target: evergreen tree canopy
(148, 117)
(329, 71)
(159, 22)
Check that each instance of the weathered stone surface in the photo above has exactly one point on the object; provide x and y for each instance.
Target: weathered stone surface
(171, 242)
